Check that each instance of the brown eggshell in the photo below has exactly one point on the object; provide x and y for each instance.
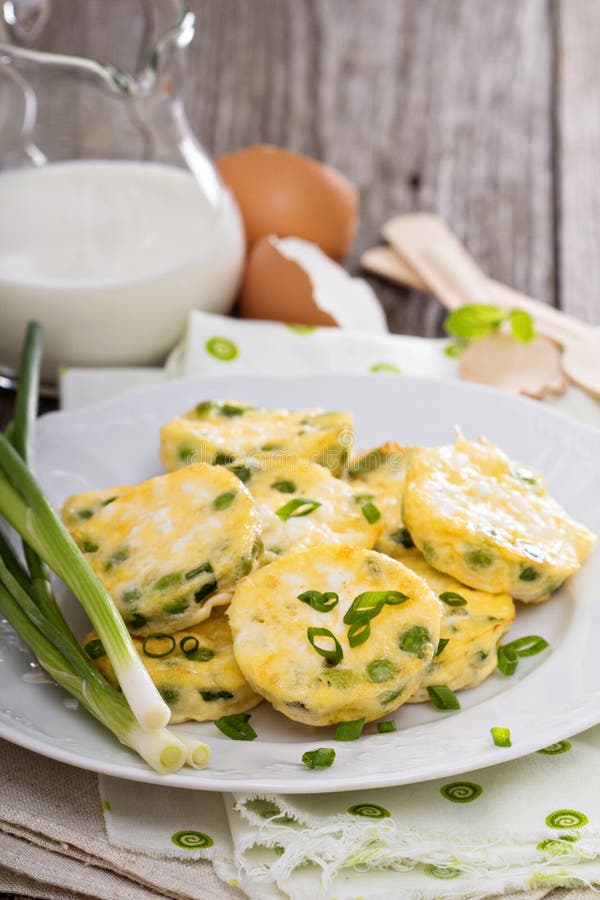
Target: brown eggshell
(282, 193)
(278, 289)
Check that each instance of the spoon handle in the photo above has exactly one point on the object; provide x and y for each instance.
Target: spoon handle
(429, 250)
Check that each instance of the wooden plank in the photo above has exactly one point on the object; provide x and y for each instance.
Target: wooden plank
(578, 156)
(425, 104)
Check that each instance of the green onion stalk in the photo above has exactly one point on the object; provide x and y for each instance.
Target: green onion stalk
(26, 509)
(159, 748)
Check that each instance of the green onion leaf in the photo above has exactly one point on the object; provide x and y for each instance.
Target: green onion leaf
(224, 500)
(521, 325)
(349, 731)
(387, 726)
(158, 645)
(442, 697)
(452, 599)
(205, 591)
(236, 727)
(474, 320)
(501, 736)
(322, 758)
(334, 653)
(318, 601)
(284, 487)
(296, 508)
(204, 409)
(210, 696)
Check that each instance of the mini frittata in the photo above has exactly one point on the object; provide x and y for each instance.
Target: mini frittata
(194, 670)
(304, 506)
(489, 522)
(293, 646)
(379, 475)
(171, 548)
(221, 432)
(473, 623)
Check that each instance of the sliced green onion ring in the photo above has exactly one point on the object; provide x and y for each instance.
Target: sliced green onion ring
(158, 653)
(530, 645)
(333, 654)
(318, 601)
(359, 631)
(450, 598)
(507, 659)
(297, 507)
(443, 642)
(387, 726)
(370, 603)
(284, 487)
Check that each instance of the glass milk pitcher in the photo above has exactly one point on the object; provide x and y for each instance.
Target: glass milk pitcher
(113, 221)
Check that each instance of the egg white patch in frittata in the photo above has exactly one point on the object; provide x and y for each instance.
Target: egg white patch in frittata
(273, 650)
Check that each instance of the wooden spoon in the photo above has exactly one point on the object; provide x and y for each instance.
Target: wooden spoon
(434, 259)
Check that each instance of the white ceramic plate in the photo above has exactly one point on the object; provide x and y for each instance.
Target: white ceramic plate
(552, 696)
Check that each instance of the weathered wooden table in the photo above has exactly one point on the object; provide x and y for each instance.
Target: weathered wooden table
(487, 112)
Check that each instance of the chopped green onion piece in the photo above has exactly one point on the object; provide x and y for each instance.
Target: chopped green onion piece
(176, 607)
(224, 500)
(168, 581)
(205, 409)
(385, 727)
(284, 487)
(443, 642)
(95, 649)
(322, 758)
(193, 573)
(529, 574)
(205, 591)
(333, 654)
(296, 508)
(359, 631)
(402, 537)
(88, 546)
(210, 696)
(236, 727)
(415, 640)
(108, 501)
(158, 652)
(452, 599)
(381, 670)
(442, 697)
(501, 736)
(85, 513)
(240, 471)
(479, 559)
(349, 731)
(395, 598)
(223, 459)
(456, 348)
(318, 601)
(229, 410)
(507, 659)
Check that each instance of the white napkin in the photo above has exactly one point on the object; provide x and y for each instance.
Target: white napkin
(528, 824)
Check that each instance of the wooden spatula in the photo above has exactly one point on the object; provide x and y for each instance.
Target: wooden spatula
(434, 259)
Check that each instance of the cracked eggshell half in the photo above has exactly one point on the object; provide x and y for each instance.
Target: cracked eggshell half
(292, 280)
